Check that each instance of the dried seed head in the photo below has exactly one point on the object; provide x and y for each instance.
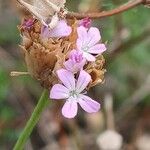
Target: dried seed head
(44, 56)
(95, 69)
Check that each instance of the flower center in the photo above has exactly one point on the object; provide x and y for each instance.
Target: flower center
(73, 94)
(85, 48)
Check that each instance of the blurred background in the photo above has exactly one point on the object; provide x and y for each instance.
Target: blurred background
(124, 120)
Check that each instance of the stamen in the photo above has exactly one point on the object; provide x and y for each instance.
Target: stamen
(73, 94)
(85, 49)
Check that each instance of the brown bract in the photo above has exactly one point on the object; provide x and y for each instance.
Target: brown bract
(96, 70)
(44, 56)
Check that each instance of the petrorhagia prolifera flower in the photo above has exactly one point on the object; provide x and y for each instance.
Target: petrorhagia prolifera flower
(72, 91)
(49, 52)
(87, 42)
(66, 59)
(72, 87)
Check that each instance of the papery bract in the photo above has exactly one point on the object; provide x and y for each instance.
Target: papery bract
(44, 10)
(87, 42)
(72, 91)
(61, 30)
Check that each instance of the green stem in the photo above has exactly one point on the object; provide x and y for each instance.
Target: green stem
(42, 103)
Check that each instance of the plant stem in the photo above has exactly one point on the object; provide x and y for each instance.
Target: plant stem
(120, 9)
(42, 103)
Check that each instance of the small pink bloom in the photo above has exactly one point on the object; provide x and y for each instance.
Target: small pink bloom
(86, 22)
(61, 30)
(75, 62)
(88, 42)
(28, 23)
(72, 91)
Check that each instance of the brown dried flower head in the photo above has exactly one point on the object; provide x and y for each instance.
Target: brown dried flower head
(44, 56)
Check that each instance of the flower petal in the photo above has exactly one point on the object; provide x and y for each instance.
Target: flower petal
(83, 80)
(88, 56)
(61, 30)
(74, 67)
(69, 65)
(97, 49)
(58, 91)
(93, 36)
(70, 108)
(82, 34)
(79, 44)
(67, 78)
(88, 104)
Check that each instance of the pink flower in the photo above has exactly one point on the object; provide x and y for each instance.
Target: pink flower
(87, 42)
(28, 23)
(75, 62)
(86, 22)
(61, 30)
(72, 91)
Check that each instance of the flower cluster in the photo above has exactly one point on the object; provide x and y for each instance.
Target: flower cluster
(66, 59)
(73, 77)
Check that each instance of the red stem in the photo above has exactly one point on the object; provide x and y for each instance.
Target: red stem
(120, 9)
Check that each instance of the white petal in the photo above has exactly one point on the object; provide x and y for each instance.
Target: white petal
(70, 108)
(83, 81)
(88, 104)
(58, 91)
(67, 78)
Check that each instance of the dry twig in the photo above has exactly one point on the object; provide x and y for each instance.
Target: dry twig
(120, 9)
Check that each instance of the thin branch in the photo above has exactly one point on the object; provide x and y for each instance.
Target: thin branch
(120, 9)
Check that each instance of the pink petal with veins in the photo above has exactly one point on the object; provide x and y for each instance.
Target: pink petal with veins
(61, 30)
(70, 108)
(83, 80)
(59, 91)
(67, 78)
(88, 104)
